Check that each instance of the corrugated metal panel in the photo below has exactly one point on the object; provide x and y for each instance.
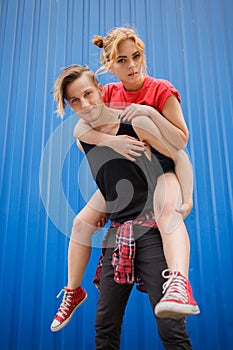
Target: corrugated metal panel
(187, 42)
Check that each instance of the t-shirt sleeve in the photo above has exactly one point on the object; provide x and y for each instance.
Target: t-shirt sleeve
(165, 90)
(107, 95)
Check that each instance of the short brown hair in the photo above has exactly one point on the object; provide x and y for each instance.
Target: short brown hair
(68, 75)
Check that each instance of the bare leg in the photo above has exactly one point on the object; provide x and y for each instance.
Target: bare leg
(178, 300)
(183, 167)
(78, 257)
(175, 238)
(184, 173)
(84, 225)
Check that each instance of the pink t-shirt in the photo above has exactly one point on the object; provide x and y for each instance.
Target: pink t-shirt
(154, 93)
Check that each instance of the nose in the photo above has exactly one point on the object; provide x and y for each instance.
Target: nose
(84, 103)
(131, 64)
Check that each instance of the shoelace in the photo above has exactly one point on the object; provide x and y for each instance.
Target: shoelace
(66, 303)
(175, 287)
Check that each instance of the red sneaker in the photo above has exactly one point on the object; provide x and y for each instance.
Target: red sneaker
(178, 300)
(72, 299)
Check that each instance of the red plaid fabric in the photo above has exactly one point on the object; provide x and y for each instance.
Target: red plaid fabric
(124, 251)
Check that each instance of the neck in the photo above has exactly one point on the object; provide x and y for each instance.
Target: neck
(135, 86)
(107, 121)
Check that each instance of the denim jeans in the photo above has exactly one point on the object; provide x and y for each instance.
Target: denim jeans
(149, 264)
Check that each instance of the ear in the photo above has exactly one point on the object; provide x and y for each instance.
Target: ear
(101, 90)
(111, 70)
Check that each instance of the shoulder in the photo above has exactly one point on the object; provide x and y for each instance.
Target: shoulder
(80, 128)
(158, 83)
(112, 87)
(112, 93)
(161, 89)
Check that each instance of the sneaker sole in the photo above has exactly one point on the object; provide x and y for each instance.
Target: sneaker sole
(63, 324)
(174, 310)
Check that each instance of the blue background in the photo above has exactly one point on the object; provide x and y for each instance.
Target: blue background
(188, 42)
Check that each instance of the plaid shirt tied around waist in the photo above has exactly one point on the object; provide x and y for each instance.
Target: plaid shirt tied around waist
(124, 251)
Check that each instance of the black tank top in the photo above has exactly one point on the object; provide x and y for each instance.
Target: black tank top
(127, 186)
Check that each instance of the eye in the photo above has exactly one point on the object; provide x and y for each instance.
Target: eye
(87, 94)
(137, 56)
(121, 60)
(74, 100)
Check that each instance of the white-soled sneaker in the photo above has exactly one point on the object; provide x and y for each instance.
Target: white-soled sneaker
(178, 300)
(72, 299)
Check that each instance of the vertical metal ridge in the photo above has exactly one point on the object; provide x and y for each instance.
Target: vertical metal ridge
(188, 43)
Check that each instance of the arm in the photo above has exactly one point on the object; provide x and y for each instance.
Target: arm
(173, 113)
(84, 132)
(171, 122)
(126, 145)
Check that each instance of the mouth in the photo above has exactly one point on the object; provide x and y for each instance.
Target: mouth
(132, 74)
(87, 111)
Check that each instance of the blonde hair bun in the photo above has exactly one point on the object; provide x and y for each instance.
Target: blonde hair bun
(98, 41)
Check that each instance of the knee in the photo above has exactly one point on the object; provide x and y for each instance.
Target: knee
(80, 225)
(82, 231)
(77, 224)
(164, 209)
(167, 196)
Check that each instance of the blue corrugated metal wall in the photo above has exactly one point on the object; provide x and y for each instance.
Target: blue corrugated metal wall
(188, 42)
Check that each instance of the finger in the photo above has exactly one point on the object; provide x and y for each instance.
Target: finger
(103, 221)
(139, 148)
(129, 157)
(137, 142)
(130, 112)
(132, 138)
(136, 149)
(121, 115)
(133, 141)
(136, 154)
(125, 113)
(128, 116)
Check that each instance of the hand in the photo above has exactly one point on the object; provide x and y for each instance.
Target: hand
(133, 111)
(103, 221)
(185, 209)
(127, 146)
